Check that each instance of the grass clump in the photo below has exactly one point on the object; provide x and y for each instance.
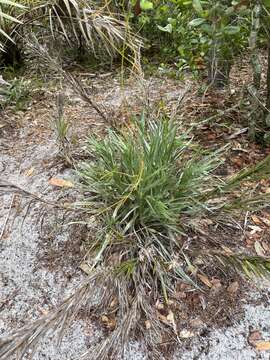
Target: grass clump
(144, 178)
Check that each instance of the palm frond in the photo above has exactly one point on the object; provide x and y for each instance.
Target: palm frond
(5, 16)
(74, 19)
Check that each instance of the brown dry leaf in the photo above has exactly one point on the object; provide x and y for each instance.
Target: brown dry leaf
(147, 324)
(254, 336)
(86, 268)
(185, 334)
(196, 323)
(43, 311)
(180, 295)
(263, 345)
(171, 320)
(255, 229)
(216, 283)
(259, 249)
(233, 287)
(256, 220)
(159, 305)
(60, 182)
(162, 318)
(29, 172)
(109, 323)
(205, 280)
(266, 221)
(113, 303)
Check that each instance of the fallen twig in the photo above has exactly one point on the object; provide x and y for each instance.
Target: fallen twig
(7, 217)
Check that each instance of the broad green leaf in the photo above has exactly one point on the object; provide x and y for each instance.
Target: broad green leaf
(167, 28)
(196, 22)
(231, 30)
(146, 5)
(197, 6)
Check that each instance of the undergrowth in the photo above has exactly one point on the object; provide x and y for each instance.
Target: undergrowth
(14, 93)
(148, 188)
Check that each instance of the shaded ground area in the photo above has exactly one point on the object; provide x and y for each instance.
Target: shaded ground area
(40, 259)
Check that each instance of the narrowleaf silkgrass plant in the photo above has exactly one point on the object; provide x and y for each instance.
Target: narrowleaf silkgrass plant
(147, 187)
(143, 178)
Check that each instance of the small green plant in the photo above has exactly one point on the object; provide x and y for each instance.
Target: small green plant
(61, 127)
(14, 93)
(144, 179)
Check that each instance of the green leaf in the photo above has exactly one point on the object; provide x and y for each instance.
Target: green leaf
(167, 28)
(146, 5)
(197, 6)
(196, 22)
(231, 30)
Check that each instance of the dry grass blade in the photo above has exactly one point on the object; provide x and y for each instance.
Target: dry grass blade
(21, 341)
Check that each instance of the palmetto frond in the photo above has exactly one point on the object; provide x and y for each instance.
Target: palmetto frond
(7, 17)
(74, 20)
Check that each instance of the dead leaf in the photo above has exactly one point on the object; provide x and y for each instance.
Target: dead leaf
(60, 182)
(185, 334)
(159, 305)
(216, 284)
(171, 320)
(266, 221)
(162, 318)
(263, 345)
(255, 229)
(256, 220)
(254, 336)
(180, 295)
(109, 323)
(233, 287)
(205, 280)
(43, 311)
(196, 323)
(86, 268)
(202, 301)
(29, 172)
(113, 303)
(170, 317)
(147, 324)
(259, 249)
